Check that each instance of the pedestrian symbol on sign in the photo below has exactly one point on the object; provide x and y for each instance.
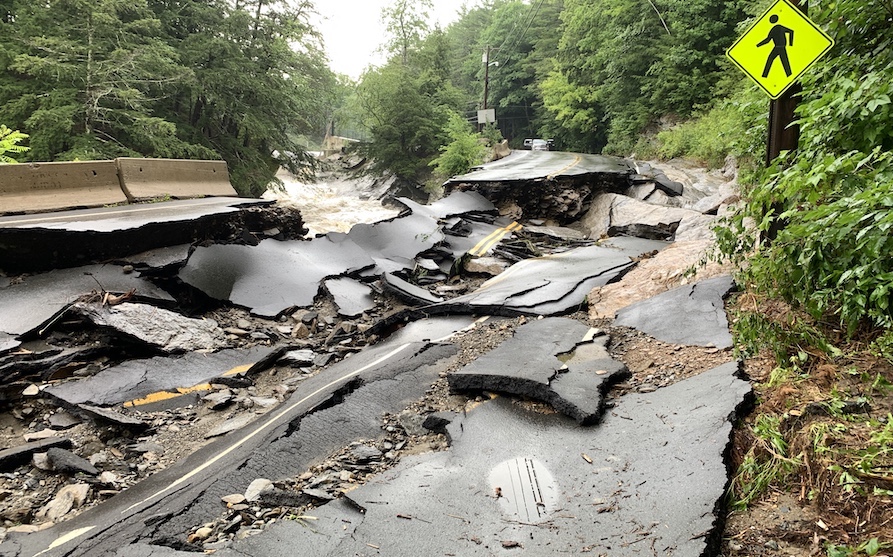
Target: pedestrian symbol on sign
(777, 68)
(779, 35)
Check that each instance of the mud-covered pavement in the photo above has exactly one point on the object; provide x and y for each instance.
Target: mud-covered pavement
(348, 433)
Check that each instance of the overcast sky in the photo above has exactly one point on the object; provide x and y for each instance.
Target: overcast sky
(353, 31)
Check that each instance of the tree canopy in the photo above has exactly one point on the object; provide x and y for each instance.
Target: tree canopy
(165, 78)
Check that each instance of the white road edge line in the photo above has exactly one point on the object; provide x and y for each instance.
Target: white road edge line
(81, 531)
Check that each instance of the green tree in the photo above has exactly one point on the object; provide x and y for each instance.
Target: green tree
(634, 61)
(832, 257)
(260, 83)
(88, 74)
(464, 150)
(407, 102)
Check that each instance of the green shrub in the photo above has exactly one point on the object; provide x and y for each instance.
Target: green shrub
(464, 151)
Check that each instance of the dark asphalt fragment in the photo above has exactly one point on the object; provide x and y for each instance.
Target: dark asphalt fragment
(110, 417)
(530, 365)
(272, 276)
(407, 291)
(31, 302)
(67, 462)
(523, 290)
(15, 456)
(136, 379)
(8, 343)
(351, 297)
(166, 330)
(693, 314)
(655, 484)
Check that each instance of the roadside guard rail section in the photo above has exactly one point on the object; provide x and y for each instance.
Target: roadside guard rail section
(54, 186)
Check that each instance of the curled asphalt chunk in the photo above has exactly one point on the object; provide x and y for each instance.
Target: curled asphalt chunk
(528, 365)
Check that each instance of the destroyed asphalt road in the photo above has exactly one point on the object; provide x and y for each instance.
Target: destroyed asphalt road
(518, 479)
(281, 442)
(622, 474)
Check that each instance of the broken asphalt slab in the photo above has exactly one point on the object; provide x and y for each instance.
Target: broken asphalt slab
(272, 276)
(157, 379)
(351, 297)
(539, 165)
(163, 329)
(649, 480)
(30, 243)
(457, 203)
(32, 301)
(693, 314)
(524, 290)
(541, 362)
(332, 409)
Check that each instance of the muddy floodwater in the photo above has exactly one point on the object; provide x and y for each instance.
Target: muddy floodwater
(330, 205)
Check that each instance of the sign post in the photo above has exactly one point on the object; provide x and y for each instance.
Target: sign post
(774, 52)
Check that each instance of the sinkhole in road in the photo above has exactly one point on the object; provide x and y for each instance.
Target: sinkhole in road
(525, 489)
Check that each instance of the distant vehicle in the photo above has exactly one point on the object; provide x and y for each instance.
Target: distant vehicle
(538, 144)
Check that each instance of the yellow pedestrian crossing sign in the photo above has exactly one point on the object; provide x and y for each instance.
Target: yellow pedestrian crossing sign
(781, 45)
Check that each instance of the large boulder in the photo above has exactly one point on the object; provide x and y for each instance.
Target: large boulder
(613, 214)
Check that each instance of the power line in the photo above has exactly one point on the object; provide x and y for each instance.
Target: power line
(532, 17)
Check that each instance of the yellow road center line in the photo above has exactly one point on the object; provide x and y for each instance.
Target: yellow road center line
(180, 391)
(577, 159)
(487, 243)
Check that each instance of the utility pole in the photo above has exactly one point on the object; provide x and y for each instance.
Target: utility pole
(486, 75)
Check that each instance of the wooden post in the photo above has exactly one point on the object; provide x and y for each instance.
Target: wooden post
(783, 134)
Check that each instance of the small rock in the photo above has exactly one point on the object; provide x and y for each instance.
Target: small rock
(69, 463)
(257, 487)
(23, 529)
(219, 399)
(63, 420)
(364, 453)
(109, 478)
(243, 324)
(147, 447)
(41, 461)
(233, 499)
(31, 390)
(127, 269)
(485, 265)
(264, 402)
(300, 331)
(309, 318)
(201, 534)
(40, 435)
(68, 498)
(235, 331)
(257, 335)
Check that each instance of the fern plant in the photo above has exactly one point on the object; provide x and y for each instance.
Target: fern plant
(9, 140)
